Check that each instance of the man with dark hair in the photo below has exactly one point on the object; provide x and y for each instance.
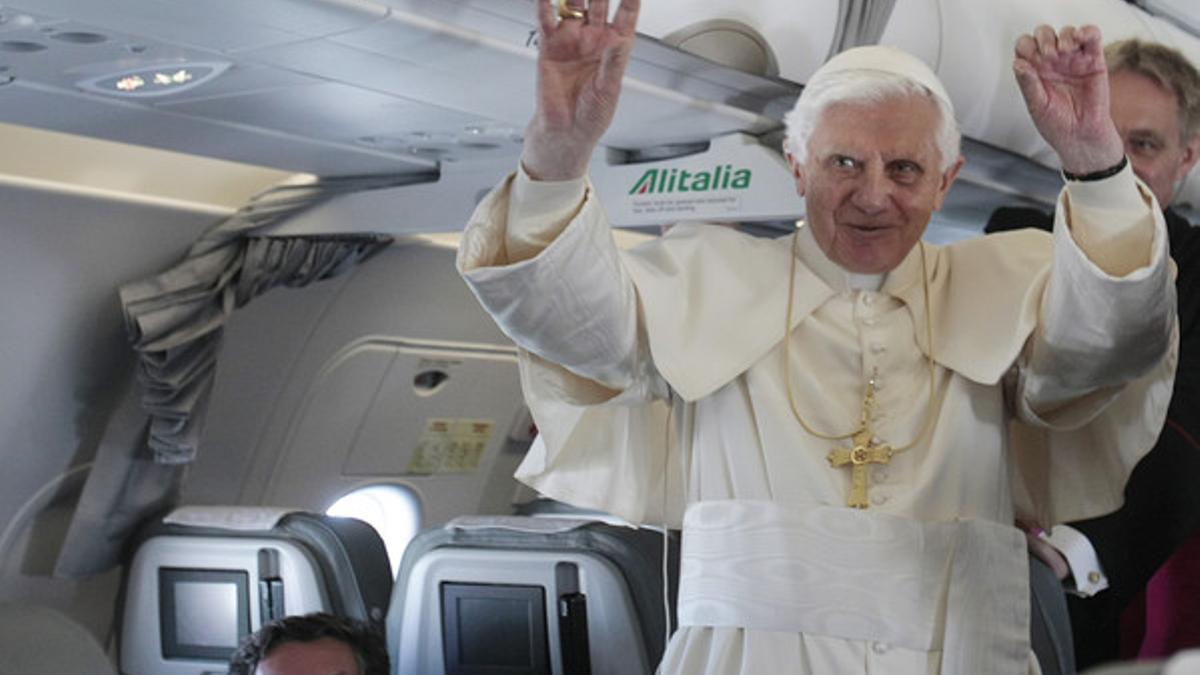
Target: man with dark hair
(1108, 561)
(312, 644)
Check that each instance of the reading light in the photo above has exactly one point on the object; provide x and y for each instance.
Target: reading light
(151, 81)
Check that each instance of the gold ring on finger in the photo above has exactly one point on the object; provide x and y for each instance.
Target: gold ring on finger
(565, 12)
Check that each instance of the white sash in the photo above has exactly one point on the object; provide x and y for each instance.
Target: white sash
(960, 587)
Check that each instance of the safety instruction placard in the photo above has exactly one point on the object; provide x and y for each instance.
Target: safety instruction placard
(451, 446)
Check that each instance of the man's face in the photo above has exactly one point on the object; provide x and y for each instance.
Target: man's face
(325, 656)
(871, 180)
(1147, 117)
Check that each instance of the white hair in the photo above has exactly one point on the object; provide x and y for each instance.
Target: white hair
(863, 86)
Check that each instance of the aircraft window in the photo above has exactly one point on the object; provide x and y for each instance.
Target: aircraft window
(393, 510)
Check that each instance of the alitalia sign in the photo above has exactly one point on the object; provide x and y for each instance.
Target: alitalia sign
(673, 181)
(736, 178)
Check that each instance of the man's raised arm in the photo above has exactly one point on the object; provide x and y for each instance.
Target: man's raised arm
(538, 252)
(1108, 312)
(1065, 84)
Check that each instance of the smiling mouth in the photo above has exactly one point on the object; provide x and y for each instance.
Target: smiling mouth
(867, 228)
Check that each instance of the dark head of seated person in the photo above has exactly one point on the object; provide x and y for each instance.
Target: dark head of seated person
(312, 644)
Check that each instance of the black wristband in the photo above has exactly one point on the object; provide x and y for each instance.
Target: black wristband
(1098, 175)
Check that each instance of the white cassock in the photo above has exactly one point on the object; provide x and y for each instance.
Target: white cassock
(656, 378)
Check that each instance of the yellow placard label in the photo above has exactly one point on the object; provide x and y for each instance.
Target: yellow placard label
(451, 446)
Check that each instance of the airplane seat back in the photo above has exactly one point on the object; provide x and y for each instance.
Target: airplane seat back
(531, 596)
(1049, 622)
(203, 578)
(37, 640)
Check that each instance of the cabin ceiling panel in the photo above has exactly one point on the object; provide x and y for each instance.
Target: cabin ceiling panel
(341, 86)
(223, 25)
(241, 78)
(64, 67)
(331, 111)
(496, 83)
(448, 36)
(485, 61)
(46, 108)
(411, 97)
(491, 83)
(1184, 13)
(64, 52)
(415, 23)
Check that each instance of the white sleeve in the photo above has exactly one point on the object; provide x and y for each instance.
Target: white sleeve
(1108, 312)
(1081, 558)
(586, 370)
(572, 302)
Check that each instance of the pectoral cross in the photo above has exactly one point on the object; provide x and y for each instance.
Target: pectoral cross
(865, 450)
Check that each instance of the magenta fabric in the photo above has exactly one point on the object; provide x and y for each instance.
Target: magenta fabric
(1172, 617)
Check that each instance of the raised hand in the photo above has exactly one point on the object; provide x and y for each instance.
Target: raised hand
(1065, 84)
(581, 60)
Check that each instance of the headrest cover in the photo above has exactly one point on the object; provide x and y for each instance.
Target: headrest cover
(886, 60)
(518, 523)
(244, 518)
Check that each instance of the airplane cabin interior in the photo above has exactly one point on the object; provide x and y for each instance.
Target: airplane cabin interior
(240, 377)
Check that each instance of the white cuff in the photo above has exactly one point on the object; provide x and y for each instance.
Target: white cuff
(550, 200)
(1081, 558)
(538, 212)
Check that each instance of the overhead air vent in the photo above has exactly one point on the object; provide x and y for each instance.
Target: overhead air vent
(21, 46)
(472, 139)
(79, 37)
(151, 81)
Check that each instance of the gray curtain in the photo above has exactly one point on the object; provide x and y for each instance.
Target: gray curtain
(175, 319)
(175, 322)
(177, 331)
(860, 22)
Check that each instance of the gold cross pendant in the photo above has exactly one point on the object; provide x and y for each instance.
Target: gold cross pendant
(864, 451)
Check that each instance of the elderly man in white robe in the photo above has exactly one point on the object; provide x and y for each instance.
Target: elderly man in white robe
(831, 416)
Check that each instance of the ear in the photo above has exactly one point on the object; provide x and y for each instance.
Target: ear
(797, 172)
(947, 180)
(1191, 153)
